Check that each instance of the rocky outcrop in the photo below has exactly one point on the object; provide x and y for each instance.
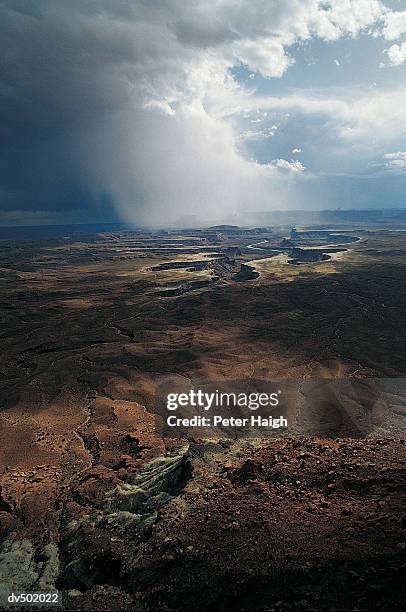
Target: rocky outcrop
(92, 554)
(246, 273)
(23, 568)
(307, 256)
(157, 483)
(190, 266)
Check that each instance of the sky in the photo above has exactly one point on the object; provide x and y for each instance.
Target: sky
(168, 112)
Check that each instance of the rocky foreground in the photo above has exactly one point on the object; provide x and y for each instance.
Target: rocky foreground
(247, 525)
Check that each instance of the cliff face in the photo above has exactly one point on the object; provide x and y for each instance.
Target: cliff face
(246, 273)
(307, 255)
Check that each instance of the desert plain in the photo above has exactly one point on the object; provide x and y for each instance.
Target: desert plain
(99, 502)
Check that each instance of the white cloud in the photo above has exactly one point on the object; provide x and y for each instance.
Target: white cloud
(291, 166)
(397, 155)
(397, 54)
(296, 151)
(266, 56)
(257, 134)
(354, 117)
(344, 133)
(397, 161)
(260, 117)
(337, 18)
(394, 25)
(397, 164)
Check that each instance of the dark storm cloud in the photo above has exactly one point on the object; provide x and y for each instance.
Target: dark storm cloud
(129, 108)
(74, 78)
(60, 76)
